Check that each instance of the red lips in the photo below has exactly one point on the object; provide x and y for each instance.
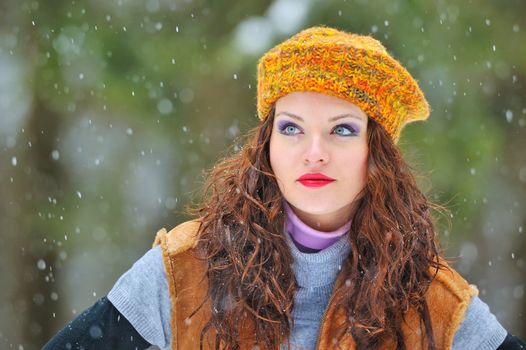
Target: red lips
(315, 180)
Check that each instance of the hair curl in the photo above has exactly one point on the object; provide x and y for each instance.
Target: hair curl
(393, 248)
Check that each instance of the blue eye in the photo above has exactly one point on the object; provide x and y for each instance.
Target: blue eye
(345, 130)
(289, 129)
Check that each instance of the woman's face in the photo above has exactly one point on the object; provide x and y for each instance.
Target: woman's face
(318, 152)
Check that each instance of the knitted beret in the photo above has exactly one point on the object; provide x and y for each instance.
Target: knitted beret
(353, 67)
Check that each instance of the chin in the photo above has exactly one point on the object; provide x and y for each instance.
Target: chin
(315, 208)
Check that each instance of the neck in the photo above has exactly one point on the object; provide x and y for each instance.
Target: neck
(309, 239)
(324, 222)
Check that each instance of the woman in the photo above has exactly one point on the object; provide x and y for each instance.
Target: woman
(313, 236)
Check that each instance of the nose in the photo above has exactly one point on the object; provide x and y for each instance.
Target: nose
(316, 152)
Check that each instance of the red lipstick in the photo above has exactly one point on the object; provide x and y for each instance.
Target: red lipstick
(315, 180)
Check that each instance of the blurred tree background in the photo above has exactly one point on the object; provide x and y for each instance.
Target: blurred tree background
(110, 111)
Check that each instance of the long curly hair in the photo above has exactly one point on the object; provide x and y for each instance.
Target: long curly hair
(393, 248)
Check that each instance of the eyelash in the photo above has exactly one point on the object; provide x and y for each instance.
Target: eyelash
(352, 130)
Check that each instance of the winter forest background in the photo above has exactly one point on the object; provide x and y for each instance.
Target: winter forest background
(110, 111)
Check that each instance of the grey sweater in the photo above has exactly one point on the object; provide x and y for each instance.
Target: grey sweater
(141, 295)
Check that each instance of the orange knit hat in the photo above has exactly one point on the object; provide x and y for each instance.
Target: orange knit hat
(353, 67)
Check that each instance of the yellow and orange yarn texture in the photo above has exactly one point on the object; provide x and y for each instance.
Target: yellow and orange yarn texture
(353, 67)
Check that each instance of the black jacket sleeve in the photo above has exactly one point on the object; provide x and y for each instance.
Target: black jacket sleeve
(512, 343)
(99, 327)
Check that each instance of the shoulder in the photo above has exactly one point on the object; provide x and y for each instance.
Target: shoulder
(141, 296)
(480, 329)
(448, 281)
(448, 298)
(179, 239)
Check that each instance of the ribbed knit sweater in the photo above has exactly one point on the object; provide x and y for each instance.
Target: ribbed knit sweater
(316, 274)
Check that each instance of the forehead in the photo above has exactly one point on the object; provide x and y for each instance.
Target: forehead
(313, 104)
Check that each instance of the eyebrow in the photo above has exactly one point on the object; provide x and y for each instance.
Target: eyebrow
(332, 119)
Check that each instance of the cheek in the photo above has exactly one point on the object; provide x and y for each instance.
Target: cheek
(278, 163)
(364, 164)
(358, 160)
(363, 160)
(275, 159)
(282, 162)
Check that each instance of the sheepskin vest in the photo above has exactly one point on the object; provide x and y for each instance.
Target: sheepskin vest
(447, 297)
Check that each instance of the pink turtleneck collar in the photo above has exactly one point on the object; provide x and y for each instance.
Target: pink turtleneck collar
(308, 239)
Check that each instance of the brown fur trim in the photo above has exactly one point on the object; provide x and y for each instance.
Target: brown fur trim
(463, 291)
(162, 239)
(179, 239)
(158, 237)
(182, 237)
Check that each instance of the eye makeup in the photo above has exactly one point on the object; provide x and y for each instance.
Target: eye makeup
(352, 127)
(283, 124)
